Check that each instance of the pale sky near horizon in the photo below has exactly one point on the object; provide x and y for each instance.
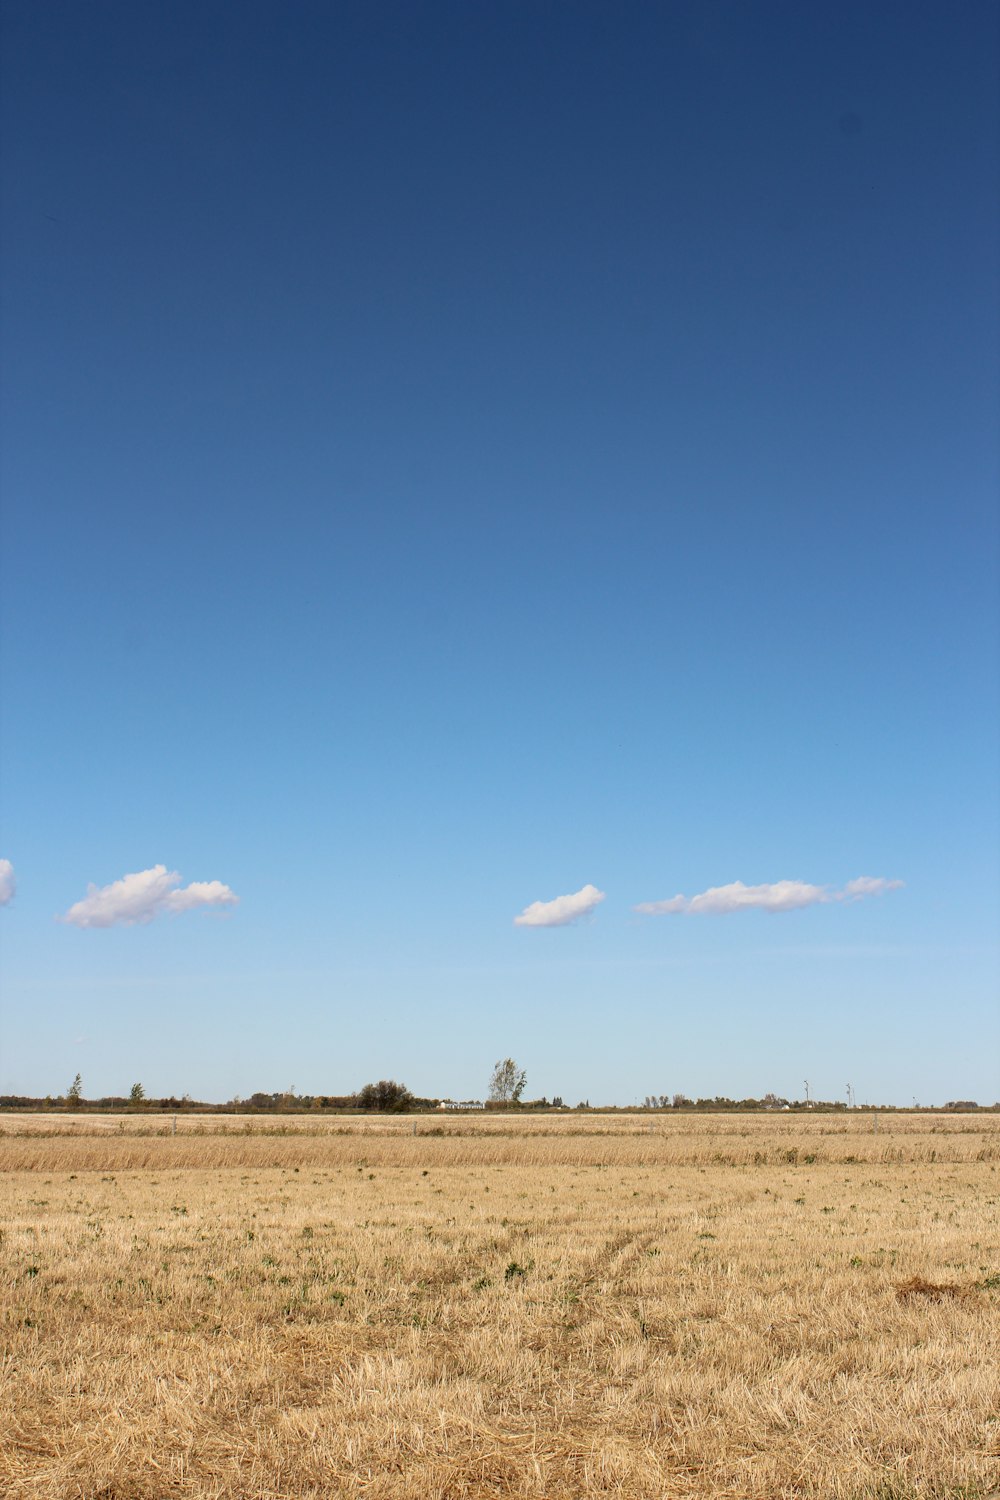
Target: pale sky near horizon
(500, 548)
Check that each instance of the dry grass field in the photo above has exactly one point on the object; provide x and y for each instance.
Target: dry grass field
(748, 1306)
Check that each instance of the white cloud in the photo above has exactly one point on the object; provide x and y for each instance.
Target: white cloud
(201, 893)
(562, 910)
(867, 885)
(8, 885)
(783, 895)
(143, 896)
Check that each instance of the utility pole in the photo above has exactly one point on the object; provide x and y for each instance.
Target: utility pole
(806, 1081)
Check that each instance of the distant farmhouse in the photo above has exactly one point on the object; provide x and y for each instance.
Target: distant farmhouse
(461, 1104)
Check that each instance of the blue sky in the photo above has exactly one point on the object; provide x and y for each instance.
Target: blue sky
(455, 455)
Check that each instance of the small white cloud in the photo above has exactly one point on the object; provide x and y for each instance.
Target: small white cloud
(8, 885)
(561, 911)
(140, 897)
(201, 893)
(867, 885)
(782, 895)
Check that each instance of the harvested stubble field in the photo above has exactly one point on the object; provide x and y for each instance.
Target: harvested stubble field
(748, 1306)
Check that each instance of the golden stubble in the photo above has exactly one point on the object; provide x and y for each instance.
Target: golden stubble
(582, 1309)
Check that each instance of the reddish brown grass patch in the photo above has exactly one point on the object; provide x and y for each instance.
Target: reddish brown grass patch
(934, 1291)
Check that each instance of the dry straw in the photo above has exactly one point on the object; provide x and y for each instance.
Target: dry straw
(740, 1309)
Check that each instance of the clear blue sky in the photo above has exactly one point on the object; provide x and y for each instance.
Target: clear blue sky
(457, 454)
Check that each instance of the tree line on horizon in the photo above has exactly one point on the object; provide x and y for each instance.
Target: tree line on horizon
(507, 1084)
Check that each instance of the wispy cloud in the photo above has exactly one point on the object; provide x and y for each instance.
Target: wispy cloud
(144, 895)
(867, 885)
(561, 911)
(8, 885)
(782, 895)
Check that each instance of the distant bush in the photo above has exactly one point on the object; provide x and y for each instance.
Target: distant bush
(386, 1095)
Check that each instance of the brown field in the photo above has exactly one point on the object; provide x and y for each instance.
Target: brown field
(561, 1306)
